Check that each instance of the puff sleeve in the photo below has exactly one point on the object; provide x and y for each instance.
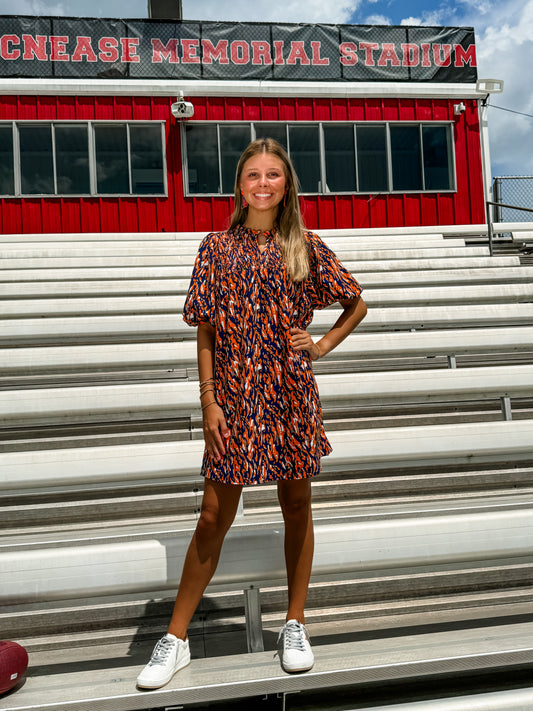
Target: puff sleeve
(200, 302)
(329, 280)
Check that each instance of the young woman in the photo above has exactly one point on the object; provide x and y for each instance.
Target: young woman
(252, 295)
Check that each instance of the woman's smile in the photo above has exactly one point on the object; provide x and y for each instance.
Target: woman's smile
(263, 182)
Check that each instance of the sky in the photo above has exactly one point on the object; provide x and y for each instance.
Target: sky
(504, 41)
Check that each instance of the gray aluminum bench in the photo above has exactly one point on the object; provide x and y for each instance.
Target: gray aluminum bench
(42, 248)
(178, 399)
(524, 240)
(408, 657)
(359, 264)
(330, 236)
(462, 268)
(181, 355)
(44, 258)
(162, 326)
(110, 560)
(50, 283)
(72, 304)
(353, 450)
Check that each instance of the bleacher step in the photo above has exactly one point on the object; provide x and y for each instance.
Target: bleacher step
(463, 591)
(109, 683)
(28, 283)
(180, 501)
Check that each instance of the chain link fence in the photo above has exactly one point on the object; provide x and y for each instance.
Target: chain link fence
(513, 190)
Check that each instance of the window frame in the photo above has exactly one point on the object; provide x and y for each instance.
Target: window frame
(91, 147)
(322, 158)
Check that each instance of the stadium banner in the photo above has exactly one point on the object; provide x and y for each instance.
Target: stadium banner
(76, 48)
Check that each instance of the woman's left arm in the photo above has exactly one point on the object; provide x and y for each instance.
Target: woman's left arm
(354, 311)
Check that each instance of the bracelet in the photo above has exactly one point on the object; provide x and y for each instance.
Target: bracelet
(207, 385)
(319, 353)
(213, 402)
(208, 390)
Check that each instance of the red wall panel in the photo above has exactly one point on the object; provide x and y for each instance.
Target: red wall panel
(252, 109)
(390, 110)
(51, 216)
(177, 213)
(326, 211)
(269, 109)
(428, 209)
(90, 216)
(339, 110)
(343, 211)
(12, 216)
(9, 107)
(46, 107)
(130, 218)
(86, 108)
(356, 109)
(361, 211)
(322, 109)
(377, 210)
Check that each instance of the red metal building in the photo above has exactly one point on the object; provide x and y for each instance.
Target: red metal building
(91, 149)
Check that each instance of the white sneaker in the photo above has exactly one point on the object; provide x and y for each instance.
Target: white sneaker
(169, 656)
(296, 653)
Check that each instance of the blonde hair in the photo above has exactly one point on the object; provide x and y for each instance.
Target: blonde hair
(290, 228)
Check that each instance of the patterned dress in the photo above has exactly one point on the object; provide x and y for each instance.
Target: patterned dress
(266, 389)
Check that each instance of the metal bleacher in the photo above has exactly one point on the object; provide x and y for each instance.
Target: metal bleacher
(423, 512)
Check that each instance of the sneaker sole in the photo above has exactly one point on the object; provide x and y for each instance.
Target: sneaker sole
(159, 684)
(296, 671)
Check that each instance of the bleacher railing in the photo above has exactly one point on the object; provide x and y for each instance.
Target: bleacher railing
(491, 220)
(512, 192)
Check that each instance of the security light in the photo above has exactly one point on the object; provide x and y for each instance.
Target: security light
(490, 86)
(182, 109)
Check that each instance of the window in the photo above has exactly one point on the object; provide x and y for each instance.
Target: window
(7, 175)
(372, 172)
(202, 158)
(82, 158)
(339, 154)
(437, 158)
(147, 176)
(406, 158)
(111, 151)
(36, 159)
(277, 131)
(233, 140)
(72, 160)
(305, 156)
(329, 157)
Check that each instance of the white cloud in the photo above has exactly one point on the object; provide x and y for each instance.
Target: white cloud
(32, 7)
(504, 42)
(439, 16)
(505, 51)
(504, 38)
(76, 8)
(274, 11)
(480, 6)
(377, 20)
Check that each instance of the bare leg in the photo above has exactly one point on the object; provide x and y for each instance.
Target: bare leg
(219, 506)
(295, 501)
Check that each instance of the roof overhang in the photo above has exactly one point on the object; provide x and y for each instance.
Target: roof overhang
(279, 89)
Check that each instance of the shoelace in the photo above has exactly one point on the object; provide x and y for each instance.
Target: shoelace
(161, 651)
(294, 636)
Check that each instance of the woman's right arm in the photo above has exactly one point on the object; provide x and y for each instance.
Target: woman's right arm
(216, 431)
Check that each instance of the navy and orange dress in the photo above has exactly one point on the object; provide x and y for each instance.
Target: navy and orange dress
(266, 389)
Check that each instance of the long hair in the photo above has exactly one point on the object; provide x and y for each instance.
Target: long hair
(290, 228)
